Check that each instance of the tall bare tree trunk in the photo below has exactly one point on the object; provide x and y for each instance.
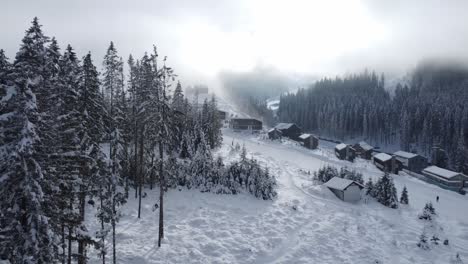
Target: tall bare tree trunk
(114, 255)
(136, 177)
(140, 174)
(161, 194)
(103, 239)
(64, 246)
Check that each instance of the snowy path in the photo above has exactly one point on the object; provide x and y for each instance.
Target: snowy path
(208, 228)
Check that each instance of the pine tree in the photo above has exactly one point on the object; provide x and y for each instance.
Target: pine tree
(25, 228)
(423, 241)
(385, 191)
(69, 154)
(404, 196)
(428, 212)
(92, 115)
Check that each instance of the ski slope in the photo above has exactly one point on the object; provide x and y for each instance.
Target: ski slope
(305, 224)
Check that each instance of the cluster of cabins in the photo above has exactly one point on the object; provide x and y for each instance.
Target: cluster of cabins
(292, 131)
(412, 163)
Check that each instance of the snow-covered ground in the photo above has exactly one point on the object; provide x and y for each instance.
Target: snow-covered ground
(305, 224)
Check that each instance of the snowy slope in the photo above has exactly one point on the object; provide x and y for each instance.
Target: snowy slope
(305, 224)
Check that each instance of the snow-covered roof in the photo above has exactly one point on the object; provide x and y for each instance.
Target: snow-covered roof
(341, 146)
(284, 125)
(448, 174)
(304, 136)
(382, 156)
(273, 129)
(365, 146)
(338, 183)
(404, 154)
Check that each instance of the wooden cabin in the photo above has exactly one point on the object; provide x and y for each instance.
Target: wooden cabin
(245, 124)
(411, 161)
(274, 134)
(364, 150)
(344, 189)
(309, 141)
(345, 152)
(289, 130)
(387, 163)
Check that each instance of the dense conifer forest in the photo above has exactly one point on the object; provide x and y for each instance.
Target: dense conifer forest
(430, 110)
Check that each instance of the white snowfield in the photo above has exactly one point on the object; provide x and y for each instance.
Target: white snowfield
(306, 223)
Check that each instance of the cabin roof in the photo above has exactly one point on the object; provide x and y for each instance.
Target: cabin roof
(274, 129)
(305, 136)
(284, 125)
(245, 119)
(382, 156)
(365, 146)
(448, 174)
(404, 154)
(341, 146)
(341, 184)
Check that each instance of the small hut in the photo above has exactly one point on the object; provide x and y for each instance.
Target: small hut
(346, 190)
(345, 152)
(289, 130)
(309, 141)
(411, 161)
(364, 150)
(274, 134)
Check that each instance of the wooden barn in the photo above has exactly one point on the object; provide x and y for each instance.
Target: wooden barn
(345, 152)
(445, 178)
(411, 161)
(289, 130)
(363, 150)
(387, 163)
(274, 134)
(346, 190)
(245, 124)
(309, 141)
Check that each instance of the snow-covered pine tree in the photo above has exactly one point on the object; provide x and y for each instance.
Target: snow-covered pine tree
(92, 114)
(5, 68)
(215, 138)
(201, 167)
(404, 196)
(423, 243)
(178, 107)
(69, 156)
(385, 191)
(428, 212)
(27, 234)
(461, 154)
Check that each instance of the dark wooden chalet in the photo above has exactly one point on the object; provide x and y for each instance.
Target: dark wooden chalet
(245, 124)
(411, 161)
(363, 150)
(387, 163)
(345, 152)
(309, 141)
(289, 130)
(274, 134)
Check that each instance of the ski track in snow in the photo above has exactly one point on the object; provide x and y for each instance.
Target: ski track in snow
(210, 228)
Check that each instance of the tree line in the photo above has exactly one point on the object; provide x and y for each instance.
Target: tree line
(72, 138)
(430, 110)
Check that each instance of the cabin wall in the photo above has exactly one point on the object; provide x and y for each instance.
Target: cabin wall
(352, 194)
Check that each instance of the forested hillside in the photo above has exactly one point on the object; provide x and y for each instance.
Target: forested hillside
(430, 110)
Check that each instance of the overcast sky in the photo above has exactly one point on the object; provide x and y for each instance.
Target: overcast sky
(204, 37)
